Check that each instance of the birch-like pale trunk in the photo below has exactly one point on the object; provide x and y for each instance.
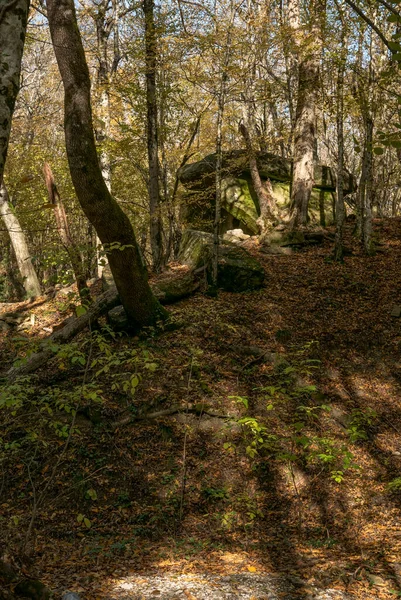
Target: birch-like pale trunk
(13, 22)
(30, 280)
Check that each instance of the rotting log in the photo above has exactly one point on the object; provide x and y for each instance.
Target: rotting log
(105, 302)
(168, 291)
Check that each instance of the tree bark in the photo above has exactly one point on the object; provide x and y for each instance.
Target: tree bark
(111, 223)
(340, 208)
(304, 141)
(367, 209)
(65, 235)
(29, 278)
(307, 48)
(13, 21)
(156, 236)
(264, 192)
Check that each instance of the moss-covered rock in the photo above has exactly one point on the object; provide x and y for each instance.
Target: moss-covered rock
(237, 200)
(238, 271)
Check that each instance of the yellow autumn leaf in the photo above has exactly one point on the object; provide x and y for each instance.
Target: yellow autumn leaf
(251, 569)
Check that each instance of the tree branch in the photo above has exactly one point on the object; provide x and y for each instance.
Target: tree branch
(369, 22)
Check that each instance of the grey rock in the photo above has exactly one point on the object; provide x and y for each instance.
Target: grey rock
(118, 318)
(236, 236)
(238, 271)
(70, 596)
(4, 327)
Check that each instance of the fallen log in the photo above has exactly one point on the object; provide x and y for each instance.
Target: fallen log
(105, 302)
(168, 289)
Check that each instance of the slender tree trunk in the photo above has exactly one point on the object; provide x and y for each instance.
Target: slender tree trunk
(29, 278)
(65, 235)
(156, 237)
(340, 208)
(264, 192)
(13, 21)
(112, 225)
(219, 160)
(322, 193)
(367, 212)
(102, 129)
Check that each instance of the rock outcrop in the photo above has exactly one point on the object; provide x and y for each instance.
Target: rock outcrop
(239, 201)
(238, 271)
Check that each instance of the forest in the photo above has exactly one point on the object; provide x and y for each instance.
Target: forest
(200, 299)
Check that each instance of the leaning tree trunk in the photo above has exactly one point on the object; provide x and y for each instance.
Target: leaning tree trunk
(264, 192)
(65, 235)
(111, 223)
(156, 237)
(13, 21)
(29, 278)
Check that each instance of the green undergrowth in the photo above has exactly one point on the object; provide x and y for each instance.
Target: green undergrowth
(59, 433)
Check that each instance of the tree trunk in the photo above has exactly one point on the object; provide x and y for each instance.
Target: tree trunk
(65, 235)
(304, 141)
(340, 208)
(112, 225)
(219, 161)
(13, 21)
(102, 129)
(307, 49)
(156, 238)
(367, 212)
(264, 192)
(29, 278)
(322, 193)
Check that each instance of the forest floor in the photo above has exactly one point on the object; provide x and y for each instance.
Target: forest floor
(277, 473)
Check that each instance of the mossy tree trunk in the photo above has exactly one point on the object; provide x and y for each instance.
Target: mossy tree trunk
(111, 223)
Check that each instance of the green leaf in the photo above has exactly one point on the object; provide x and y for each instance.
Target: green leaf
(80, 518)
(92, 494)
(87, 523)
(378, 150)
(394, 19)
(80, 310)
(395, 46)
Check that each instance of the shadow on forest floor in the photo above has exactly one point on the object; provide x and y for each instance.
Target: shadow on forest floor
(305, 488)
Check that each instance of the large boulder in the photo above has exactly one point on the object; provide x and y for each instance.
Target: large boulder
(240, 207)
(238, 271)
